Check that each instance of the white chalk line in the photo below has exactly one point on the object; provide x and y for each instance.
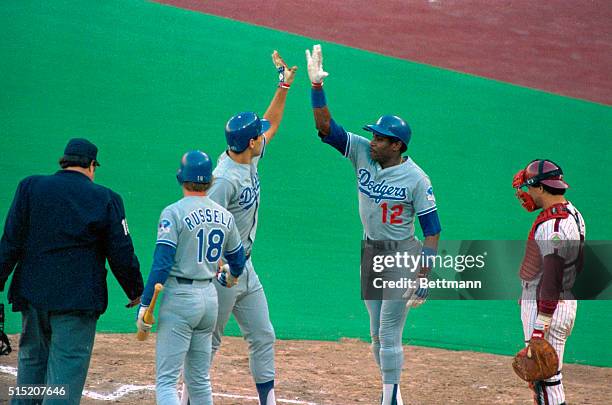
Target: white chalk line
(128, 388)
(9, 370)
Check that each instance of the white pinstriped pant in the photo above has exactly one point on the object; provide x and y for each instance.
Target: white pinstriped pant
(560, 329)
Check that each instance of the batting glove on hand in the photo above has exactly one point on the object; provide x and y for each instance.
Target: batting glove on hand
(285, 74)
(225, 277)
(140, 323)
(418, 296)
(316, 74)
(540, 329)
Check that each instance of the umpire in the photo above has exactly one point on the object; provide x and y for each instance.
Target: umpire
(59, 232)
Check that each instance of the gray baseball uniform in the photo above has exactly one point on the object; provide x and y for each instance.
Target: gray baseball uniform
(199, 231)
(389, 201)
(389, 198)
(236, 187)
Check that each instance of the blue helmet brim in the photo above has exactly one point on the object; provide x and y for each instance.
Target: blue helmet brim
(379, 130)
(265, 125)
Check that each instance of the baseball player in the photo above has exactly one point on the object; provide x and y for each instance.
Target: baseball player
(237, 188)
(392, 191)
(549, 267)
(193, 234)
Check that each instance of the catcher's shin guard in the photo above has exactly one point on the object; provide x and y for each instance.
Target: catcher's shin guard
(549, 392)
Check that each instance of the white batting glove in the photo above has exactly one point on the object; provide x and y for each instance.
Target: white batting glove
(417, 296)
(316, 74)
(140, 323)
(225, 277)
(285, 74)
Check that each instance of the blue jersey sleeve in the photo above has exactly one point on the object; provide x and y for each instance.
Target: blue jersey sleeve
(430, 223)
(234, 251)
(236, 261)
(338, 138)
(163, 259)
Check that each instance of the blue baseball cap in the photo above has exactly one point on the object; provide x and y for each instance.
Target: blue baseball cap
(80, 147)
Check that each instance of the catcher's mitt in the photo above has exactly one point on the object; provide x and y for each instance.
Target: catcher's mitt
(538, 361)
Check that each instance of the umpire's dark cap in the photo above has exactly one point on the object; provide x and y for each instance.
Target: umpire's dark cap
(82, 148)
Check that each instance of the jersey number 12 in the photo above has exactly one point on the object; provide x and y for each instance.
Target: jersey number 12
(213, 247)
(396, 211)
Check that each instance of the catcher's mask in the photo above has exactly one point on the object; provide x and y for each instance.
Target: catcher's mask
(539, 171)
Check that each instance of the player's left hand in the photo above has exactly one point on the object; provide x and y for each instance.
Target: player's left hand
(418, 296)
(314, 61)
(285, 74)
(225, 277)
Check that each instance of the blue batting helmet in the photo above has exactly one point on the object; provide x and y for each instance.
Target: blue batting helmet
(391, 126)
(243, 127)
(196, 167)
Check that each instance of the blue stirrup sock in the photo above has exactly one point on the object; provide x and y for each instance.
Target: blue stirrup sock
(266, 393)
(392, 395)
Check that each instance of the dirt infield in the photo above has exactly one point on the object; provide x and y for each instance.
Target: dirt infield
(338, 373)
(560, 46)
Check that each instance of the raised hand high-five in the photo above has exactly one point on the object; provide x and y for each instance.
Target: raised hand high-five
(314, 61)
(285, 74)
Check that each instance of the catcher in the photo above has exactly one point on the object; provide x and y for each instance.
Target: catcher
(552, 259)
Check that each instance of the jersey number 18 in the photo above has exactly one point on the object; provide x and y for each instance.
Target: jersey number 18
(213, 247)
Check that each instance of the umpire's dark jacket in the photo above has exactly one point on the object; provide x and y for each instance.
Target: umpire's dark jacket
(60, 231)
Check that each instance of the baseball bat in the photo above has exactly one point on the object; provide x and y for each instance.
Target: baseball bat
(148, 315)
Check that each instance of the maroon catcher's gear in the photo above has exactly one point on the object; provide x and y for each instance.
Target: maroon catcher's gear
(539, 171)
(544, 172)
(532, 262)
(525, 199)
